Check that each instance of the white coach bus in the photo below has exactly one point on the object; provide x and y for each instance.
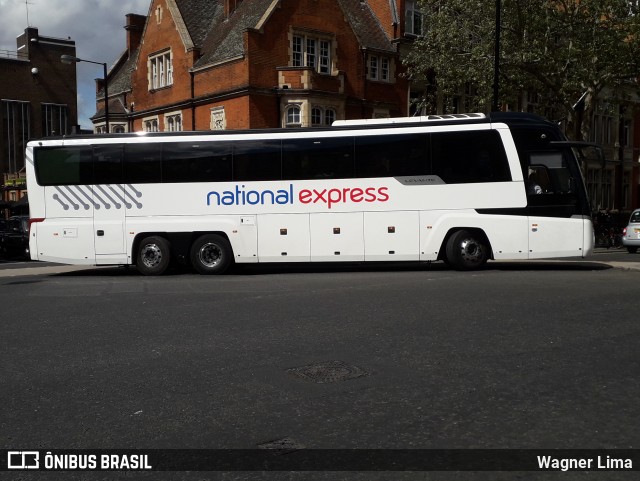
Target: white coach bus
(452, 188)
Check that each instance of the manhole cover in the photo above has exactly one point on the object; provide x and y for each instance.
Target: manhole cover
(328, 372)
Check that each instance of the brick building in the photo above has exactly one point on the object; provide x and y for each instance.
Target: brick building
(232, 64)
(37, 99)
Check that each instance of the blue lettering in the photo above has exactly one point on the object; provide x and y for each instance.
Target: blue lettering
(282, 197)
(255, 195)
(268, 193)
(228, 198)
(238, 196)
(209, 197)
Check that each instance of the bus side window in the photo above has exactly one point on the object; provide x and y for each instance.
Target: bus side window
(469, 157)
(107, 164)
(64, 165)
(319, 158)
(142, 165)
(392, 155)
(257, 160)
(196, 162)
(551, 167)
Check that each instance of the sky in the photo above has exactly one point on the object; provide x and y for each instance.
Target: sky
(97, 27)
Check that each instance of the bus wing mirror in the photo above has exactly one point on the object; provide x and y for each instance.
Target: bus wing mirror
(581, 147)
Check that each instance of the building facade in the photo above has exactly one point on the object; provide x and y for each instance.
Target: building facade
(233, 64)
(38, 98)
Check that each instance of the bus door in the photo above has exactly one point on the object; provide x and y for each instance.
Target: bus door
(556, 220)
(110, 203)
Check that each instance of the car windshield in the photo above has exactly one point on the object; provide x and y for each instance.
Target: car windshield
(635, 217)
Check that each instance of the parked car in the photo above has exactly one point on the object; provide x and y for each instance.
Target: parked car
(14, 241)
(631, 233)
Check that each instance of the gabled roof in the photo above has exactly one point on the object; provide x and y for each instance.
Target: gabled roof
(225, 41)
(366, 25)
(120, 74)
(199, 16)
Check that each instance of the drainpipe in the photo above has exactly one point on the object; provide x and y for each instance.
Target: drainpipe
(193, 106)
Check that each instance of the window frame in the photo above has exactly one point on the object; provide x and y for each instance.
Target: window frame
(160, 70)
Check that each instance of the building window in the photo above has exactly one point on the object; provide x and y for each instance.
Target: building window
(322, 116)
(307, 51)
(173, 122)
(293, 116)
(54, 120)
(119, 129)
(414, 18)
(150, 124)
(16, 128)
(161, 71)
(379, 68)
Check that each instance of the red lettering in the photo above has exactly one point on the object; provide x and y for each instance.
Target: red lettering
(319, 196)
(305, 196)
(356, 194)
(371, 194)
(332, 199)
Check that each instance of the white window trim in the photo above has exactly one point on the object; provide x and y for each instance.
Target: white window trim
(160, 70)
(147, 121)
(290, 107)
(312, 50)
(376, 70)
(173, 116)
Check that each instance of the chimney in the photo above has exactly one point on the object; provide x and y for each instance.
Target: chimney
(134, 28)
(230, 6)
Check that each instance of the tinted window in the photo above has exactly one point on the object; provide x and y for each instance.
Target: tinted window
(107, 164)
(257, 160)
(467, 157)
(196, 162)
(64, 165)
(392, 155)
(142, 165)
(319, 158)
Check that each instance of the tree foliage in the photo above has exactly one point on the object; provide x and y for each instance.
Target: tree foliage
(559, 49)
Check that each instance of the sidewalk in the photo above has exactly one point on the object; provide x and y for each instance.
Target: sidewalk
(34, 269)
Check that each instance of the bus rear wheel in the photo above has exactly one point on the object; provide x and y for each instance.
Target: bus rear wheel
(467, 250)
(211, 254)
(154, 255)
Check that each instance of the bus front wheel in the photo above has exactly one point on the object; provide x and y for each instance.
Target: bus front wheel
(467, 250)
(211, 254)
(154, 255)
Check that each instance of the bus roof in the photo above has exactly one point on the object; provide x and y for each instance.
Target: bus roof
(448, 119)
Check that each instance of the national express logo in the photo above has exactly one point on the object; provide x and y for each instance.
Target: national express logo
(328, 197)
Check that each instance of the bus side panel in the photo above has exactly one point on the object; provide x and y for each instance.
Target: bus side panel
(392, 236)
(337, 237)
(284, 238)
(557, 237)
(507, 234)
(67, 240)
(66, 234)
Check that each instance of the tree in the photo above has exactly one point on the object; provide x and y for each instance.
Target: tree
(563, 50)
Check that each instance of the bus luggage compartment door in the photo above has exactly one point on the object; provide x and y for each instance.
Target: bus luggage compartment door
(110, 205)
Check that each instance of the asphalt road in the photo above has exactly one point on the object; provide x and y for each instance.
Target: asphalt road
(520, 355)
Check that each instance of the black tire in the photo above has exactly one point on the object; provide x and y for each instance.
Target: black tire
(467, 250)
(632, 250)
(211, 254)
(154, 256)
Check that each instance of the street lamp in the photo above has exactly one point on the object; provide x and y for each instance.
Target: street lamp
(70, 59)
(496, 60)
